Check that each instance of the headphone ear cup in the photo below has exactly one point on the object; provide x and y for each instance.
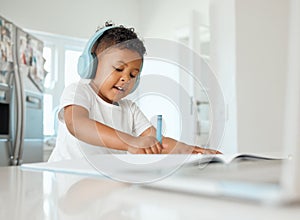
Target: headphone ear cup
(81, 66)
(87, 66)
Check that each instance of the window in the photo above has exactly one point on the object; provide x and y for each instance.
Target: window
(48, 116)
(49, 55)
(61, 54)
(71, 58)
(48, 121)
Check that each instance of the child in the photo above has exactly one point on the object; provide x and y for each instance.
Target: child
(93, 114)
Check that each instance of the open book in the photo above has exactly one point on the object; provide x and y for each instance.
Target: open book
(138, 167)
(228, 158)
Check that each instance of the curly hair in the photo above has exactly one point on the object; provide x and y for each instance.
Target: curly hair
(120, 37)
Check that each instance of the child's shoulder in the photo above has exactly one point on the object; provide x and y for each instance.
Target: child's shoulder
(81, 84)
(126, 102)
(77, 88)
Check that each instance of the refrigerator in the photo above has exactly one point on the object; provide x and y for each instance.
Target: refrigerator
(21, 95)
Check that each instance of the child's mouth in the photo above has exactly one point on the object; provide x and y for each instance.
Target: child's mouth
(119, 88)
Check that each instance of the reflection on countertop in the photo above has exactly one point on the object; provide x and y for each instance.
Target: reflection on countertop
(49, 195)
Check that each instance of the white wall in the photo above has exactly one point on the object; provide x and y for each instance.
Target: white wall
(261, 57)
(155, 18)
(249, 39)
(70, 17)
(161, 18)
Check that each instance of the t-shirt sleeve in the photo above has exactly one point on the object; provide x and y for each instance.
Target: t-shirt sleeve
(140, 121)
(74, 94)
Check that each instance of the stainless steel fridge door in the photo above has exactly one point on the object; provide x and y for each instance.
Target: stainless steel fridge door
(33, 138)
(30, 63)
(8, 100)
(10, 123)
(30, 69)
(23, 55)
(5, 144)
(4, 152)
(34, 115)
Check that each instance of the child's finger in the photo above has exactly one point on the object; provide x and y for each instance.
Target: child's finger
(160, 148)
(148, 150)
(205, 151)
(199, 150)
(154, 149)
(210, 151)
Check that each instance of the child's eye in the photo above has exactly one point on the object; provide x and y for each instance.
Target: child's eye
(118, 69)
(132, 76)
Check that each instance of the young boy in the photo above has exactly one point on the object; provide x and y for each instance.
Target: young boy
(93, 115)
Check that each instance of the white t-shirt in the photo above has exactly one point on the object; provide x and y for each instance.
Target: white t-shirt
(125, 117)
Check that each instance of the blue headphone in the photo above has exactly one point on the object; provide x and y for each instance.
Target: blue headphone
(88, 62)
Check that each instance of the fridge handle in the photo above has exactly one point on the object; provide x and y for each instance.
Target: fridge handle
(20, 125)
(16, 147)
(22, 121)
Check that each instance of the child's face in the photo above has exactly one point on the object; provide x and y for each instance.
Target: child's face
(116, 73)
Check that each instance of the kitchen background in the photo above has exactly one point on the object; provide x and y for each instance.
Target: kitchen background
(245, 43)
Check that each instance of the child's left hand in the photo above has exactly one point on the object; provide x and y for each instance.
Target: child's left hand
(187, 149)
(201, 150)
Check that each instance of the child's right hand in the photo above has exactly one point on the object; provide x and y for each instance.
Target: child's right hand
(145, 145)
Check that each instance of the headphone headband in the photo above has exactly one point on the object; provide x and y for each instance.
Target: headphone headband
(95, 37)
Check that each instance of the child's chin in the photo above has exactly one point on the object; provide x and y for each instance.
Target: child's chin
(116, 99)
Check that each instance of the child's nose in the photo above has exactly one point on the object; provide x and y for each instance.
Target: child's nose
(125, 78)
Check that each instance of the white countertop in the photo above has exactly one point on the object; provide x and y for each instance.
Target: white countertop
(49, 195)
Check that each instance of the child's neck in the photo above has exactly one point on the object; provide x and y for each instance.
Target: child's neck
(94, 86)
(96, 90)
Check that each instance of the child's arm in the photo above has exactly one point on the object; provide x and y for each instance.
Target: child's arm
(176, 147)
(92, 132)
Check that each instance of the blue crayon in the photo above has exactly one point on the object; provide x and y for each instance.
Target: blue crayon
(158, 128)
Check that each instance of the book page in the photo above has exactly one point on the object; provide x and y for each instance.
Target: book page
(257, 156)
(228, 158)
